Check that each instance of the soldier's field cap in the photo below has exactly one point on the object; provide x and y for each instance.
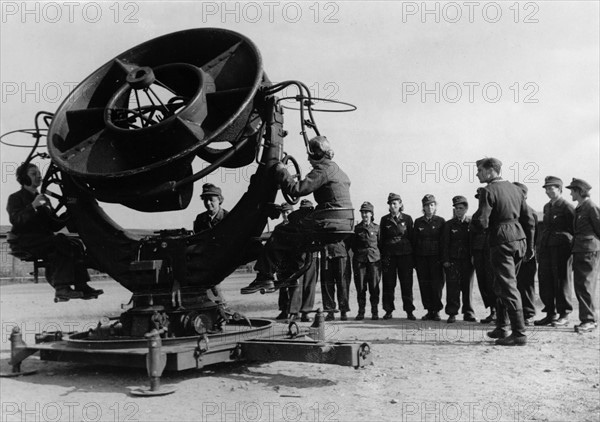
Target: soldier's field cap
(286, 207)
(306, 203)
(521, 186)
(393, 197)
(459, 199)
(552, 181)
(489, 162)
(579, 183)
(428, 199)
(208, 189)
(367, 207)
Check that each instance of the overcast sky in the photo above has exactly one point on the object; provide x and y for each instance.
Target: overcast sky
(437, 86)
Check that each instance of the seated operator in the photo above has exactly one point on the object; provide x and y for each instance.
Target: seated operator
(213, 199)
(33, 231)
(331, 189)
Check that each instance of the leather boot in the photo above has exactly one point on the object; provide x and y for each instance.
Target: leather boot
(282, 315)
(547, 320)
(517, 324)
(88, 291)
(64, 293)
(305, 317)
(263, 283)
(491, 318)
(497, 333)
(501, 316)
(501, 330)
(512, 340)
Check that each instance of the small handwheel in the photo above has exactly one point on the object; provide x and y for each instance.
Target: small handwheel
(53, 176)
(292, 200)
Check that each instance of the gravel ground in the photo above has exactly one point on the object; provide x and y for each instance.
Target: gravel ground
(421, 371)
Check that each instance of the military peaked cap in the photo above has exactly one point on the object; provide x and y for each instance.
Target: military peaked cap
(208, 189)
(579, 183)
(428, 199)
(489, 162)
(367, 207)
(552, 181)
(393, 197)
(459, 199)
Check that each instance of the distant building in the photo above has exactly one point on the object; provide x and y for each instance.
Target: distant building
(12, 268)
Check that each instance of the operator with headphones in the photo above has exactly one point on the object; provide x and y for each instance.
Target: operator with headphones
(330, 187)
(33, 231)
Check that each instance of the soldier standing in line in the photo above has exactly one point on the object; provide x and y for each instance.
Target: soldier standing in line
(586, 253)
(526, 274)
(396, 230)
(554, 250)
(426, 240)
(366, 262)
(456, 259)
(503, 211)
(480, 250)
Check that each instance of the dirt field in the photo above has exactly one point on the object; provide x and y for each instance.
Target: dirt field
(422, 371)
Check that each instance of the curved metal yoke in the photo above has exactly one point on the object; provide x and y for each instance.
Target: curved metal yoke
(130, 131)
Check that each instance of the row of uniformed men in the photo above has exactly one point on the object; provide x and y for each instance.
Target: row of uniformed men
(458, 249)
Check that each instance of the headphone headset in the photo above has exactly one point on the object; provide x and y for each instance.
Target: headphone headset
(22, 176)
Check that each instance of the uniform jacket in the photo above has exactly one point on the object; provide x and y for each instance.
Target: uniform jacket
(478, 240)
(326, 181)
(395, 235)
(204, 222)
(557, 228)
(587, 227)
(455, 240)
(504, 212)
(25, 220)
(365, 242)
(427, 235)
(536, 226)
(336, 250)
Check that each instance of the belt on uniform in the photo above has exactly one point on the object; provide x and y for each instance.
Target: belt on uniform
(512, 221)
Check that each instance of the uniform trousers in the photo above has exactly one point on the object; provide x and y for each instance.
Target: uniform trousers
(526, 286)
(335, 283)
(400, 266)
(64, 255)
(506, 260)
(301, 298)
(280, 254)
(485, 277)
(459, 281)
(555, 287)
(585, 280)
(366, 277)
(431, 281)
